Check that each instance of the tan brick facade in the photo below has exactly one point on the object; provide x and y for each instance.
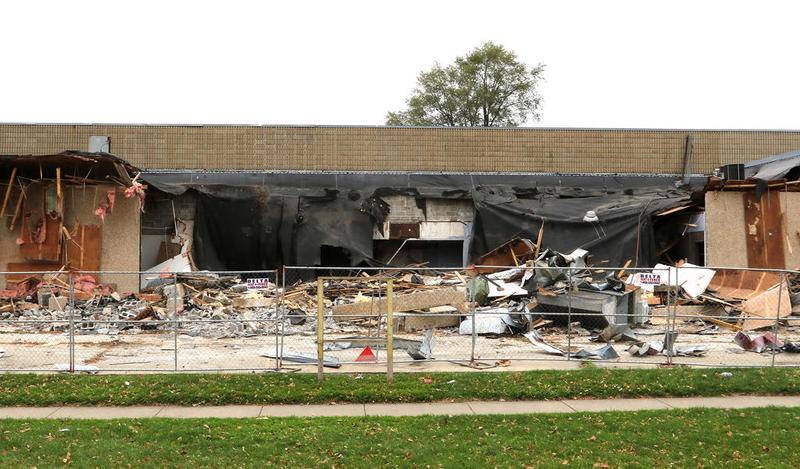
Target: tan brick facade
(404, 149)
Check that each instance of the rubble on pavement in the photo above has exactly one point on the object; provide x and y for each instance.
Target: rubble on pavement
(545, 297)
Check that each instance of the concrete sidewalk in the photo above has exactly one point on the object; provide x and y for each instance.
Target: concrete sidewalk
(398, 410)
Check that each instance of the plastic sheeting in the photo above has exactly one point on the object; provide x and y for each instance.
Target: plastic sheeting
(624, 230)
(248, 229)
(264, 220)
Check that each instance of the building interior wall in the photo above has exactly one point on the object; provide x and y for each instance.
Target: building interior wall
(119, 233)
(158, 224)
(726, 230)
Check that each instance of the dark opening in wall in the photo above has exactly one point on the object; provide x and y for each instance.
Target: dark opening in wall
(416, 251)
(334, 256)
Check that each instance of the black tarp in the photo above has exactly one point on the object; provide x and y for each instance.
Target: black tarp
(265, 220)
(241, 230)
(624, 230)
(335, 220)
(249, 229)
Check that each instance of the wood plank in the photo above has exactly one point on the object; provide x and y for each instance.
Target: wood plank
(29, 267)
(50, 249)
(766, 305)
(763, 227)
(84, 253)
(742, 284)
(9, 188)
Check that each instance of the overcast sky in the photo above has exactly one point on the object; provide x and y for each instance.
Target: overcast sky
(608, 64)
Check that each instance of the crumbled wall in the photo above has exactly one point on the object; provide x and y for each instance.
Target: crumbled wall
(404, 149)
(120, 242)
(404, 209)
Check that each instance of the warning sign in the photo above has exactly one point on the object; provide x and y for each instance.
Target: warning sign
(367, 356)
(257, 283)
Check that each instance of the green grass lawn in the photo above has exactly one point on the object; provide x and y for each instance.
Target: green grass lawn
(219, 389)
(766, 437)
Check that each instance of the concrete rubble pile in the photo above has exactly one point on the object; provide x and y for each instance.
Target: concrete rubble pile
(208, 305)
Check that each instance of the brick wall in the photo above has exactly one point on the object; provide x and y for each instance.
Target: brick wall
(404, 209)
(404, 149)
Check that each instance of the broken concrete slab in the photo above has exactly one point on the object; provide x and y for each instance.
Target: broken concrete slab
(402, 302)
(57, 303)
(253, 301)
(425, 349)
(421, 321)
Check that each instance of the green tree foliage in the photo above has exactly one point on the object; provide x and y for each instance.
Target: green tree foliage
(488, 87)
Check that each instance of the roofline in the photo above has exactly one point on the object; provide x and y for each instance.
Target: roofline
(360, 126)
(413, 173)
(771, 159)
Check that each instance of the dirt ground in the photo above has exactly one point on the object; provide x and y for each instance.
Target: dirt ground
(154, 351)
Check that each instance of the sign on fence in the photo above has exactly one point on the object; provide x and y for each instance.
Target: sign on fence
(257, 283)
(646, 278)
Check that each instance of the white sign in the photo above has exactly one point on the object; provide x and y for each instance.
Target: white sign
(649, 279)
(257, 283)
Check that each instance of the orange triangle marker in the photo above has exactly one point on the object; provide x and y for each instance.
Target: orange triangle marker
(367, 356)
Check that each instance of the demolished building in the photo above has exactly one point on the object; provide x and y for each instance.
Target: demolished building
(571, 237)
(349, 196)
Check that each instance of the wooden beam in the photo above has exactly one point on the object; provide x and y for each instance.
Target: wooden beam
(721, 323)
(58, 183)
(17, 211)
(539, 241)
(8, 191)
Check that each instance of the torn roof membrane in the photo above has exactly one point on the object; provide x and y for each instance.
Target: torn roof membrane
(77, 167)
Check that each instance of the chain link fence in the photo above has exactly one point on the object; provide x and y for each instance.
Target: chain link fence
(514, 317)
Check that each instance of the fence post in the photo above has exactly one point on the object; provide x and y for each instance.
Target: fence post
(71, 323)
(283, 316)
(320, 326)
(672, 313)
(777, 317)
(175, 320)
(569, 313)
(474, 334)
(277, 306)
(389, 332)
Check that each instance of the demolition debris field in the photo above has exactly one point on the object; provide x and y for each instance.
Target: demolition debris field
(764, 437)
(550, 309)
(226, 389)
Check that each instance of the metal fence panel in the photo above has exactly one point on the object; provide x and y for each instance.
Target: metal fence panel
(237, 321)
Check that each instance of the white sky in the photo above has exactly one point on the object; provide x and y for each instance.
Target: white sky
(696, 64)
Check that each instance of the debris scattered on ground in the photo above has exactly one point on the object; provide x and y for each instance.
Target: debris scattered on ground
(545, 297)
(425, 349)
(330, 362)
(89, 369)
(758, 344)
